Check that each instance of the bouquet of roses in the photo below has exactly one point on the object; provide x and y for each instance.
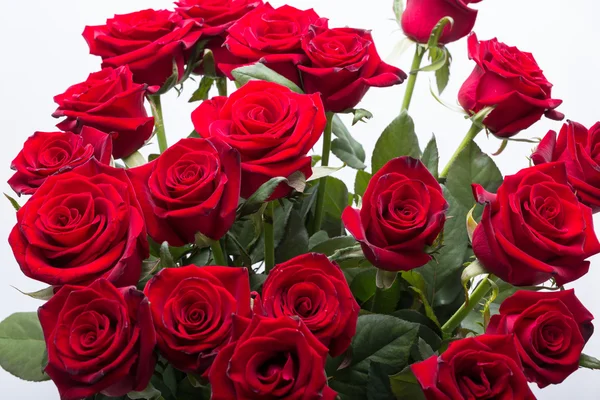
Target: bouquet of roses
(232, 265)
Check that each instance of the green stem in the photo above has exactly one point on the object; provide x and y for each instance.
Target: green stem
(222, 86)
(269, 237)
(218, 254)
(412, 76)
(474, 298)
(323, 181)
(473, 131)
(159, 122)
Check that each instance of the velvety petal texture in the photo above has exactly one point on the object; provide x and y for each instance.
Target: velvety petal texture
(100, 339)
(579, 148)
(193, 187)
(535, 228)
(550, 329)
(273, 358)
(272, 127)
(482, 367)
(152, 43)
(51, 153)
(110, 101)
(344, 64)
(213, 17)
(82, 225)
(315, 290)
(403, 211)
(510, 81)
(421, 16)
(193, 308)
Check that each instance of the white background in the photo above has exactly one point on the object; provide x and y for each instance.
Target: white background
(42, 53)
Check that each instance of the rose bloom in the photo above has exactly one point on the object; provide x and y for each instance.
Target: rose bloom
(314, 289)
(110, 101)
(214, 16)
(421, 16)
(50, 153)
(193, 309)
(511, 82)
(482, 367)
(534, 228)
(82, 225)
(579, 149)
(403, 211)
(152, 43)
(194, 186)
(550, 329)
(344, 64)
(272, 127)
(271, 358)
(100, 339)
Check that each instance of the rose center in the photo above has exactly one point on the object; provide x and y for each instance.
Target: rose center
(62, 216)
(53, 157)
(304, 306)
(281, 367)
(548, 208)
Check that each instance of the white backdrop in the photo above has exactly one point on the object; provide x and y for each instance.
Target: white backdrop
(42, 53)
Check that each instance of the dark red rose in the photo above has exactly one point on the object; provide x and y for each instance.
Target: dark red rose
(534, 228)
(421, 16)
(110, 101)
(314, 289)
(482, 367)
(272, 37)
(273, 358)
(215, 16)
(510, 81)
(272, 127)
(50, 153)
(152, 43)
(550, 330)
(579, 149)
(403, 211)
(344, 64)
(80, 226)
(100, 339)
(194, 186)
(192, 308)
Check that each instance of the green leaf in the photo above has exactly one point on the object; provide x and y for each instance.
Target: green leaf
(418, 286)
(150, 393)
(378, 386)
(203, 89)
(295, 239)
(442, 75)
(256, 281)
(258, 198)
(428, 330)
(398, 139)
(437, 31)
(329, 246)
(43, 294)
(170, 82)
(194, 134)
(360, 115)
(280, 226)
(22, 346)
(439, 57)
(166, 258)
(405, 386)
(200, 257)
(13, 202)
(322, 172)
(363, 284)
(336, 200)
(318, 237)
(133, 160)
(590, 362)
(345, 147)
(261, 72)
(208, 64)
(431, 157)
(361, 182)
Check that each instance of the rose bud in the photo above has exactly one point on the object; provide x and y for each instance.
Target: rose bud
(50, 153)
(511, 82)
(403, 211)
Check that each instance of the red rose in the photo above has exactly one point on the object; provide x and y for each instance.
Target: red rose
(403, 211)
(192, 308)
(579, 149)
(421, 16)
(314, 289)
(272, 37)
(550, 330)
(152, 43)
(100, 339)
(215, 16)
(273, 358)
(110, 101)
(510, 81)
(194, 186)
(534, 228)
(272, 127)
(50, 153)
(344, 64)
(82, 225)
(483, 367)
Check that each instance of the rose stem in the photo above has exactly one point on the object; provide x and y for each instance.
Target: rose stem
(323, 181)
(412, 76)
(218, 255)
(269, 237)
(159, 122)
(474, 298)
(222, 86)
(473, 131)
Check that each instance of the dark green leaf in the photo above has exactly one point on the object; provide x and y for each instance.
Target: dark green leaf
(336, 200)
(256, 281)
(166, 258)
(363, 284)
(378, 386)
(203, 88)
(307, 201)
(295, 240)
(345, 147)
(431, 157)
(150, 393)
(442, 75)
(329, 246)
(13, 202)
(256, 200)
(398, 139)
(200, 257)
(405, 386)
(280, 227)
(318, 237)
(261, 72)
(361, 182)
(194, 134)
